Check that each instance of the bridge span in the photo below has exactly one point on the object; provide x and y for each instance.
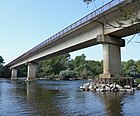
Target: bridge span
(101, 26)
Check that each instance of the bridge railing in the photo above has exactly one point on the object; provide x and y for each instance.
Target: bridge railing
(72, 26)
(79, 22)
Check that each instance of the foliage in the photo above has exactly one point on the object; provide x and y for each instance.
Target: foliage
(83, 68)
(137, 63)
(53, 65)
(137, 80)
(88, 1)
(1, 60)
(22, 71)
(65, 67)
(131, 68)
(4, 72)
(1, 70)
(67, 74)
(130, 16)
(132, 71)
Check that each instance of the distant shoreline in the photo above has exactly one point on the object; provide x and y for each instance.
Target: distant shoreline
(2, 78)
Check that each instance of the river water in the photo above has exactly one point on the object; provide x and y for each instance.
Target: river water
(63, 98)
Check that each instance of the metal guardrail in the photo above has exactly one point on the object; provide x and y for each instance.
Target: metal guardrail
(71, 27)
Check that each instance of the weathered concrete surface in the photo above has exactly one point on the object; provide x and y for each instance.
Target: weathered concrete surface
(14, 73)
(31, 74)
(111, 55)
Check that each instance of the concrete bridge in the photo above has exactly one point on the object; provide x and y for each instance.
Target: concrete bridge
(102, 26)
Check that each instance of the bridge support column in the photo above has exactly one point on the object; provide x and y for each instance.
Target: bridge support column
(111, 60)
(111, 55)
(31, 74)
(13, 73)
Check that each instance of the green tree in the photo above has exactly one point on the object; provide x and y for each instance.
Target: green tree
(22, 71)
(79, 59)
(1, 60)
(52, 66)
(132, 71)
(4, 72)
(1, 71)
(131, 68)
(127, 65)
(124, 71)
(79, 64)
(68, 74)
(138, 65)
(87, 68)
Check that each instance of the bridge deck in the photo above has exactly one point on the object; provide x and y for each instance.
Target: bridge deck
(73, 26)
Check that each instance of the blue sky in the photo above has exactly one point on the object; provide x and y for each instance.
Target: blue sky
(26, 23)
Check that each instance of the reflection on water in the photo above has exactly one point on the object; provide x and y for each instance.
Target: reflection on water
(113, 103)
(63, 98)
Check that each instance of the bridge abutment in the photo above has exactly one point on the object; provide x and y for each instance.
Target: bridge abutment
(111, 55)
(31, 74)
(13, 73)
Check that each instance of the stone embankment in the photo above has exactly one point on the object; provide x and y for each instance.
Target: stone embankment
(108, 87)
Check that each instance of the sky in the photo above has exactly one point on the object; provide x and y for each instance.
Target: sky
(26, 23)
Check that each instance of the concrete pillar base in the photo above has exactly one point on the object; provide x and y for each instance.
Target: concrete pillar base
(106, 75)
(31, 79)
(103, 80)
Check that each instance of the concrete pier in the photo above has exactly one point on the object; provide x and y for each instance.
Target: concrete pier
(14, 73)
(111, 60)
(111, 55)
(31, 74)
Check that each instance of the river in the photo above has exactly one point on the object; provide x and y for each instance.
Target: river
(63, 98)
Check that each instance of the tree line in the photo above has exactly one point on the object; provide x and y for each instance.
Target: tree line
(4, 72)
(66, 68)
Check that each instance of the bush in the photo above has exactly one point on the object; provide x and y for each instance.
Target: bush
(4, 72)
(137, 80)
(67, 74)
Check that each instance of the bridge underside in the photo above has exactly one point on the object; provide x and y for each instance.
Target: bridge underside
(98, 30)
(134, 29)
(111, 56)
